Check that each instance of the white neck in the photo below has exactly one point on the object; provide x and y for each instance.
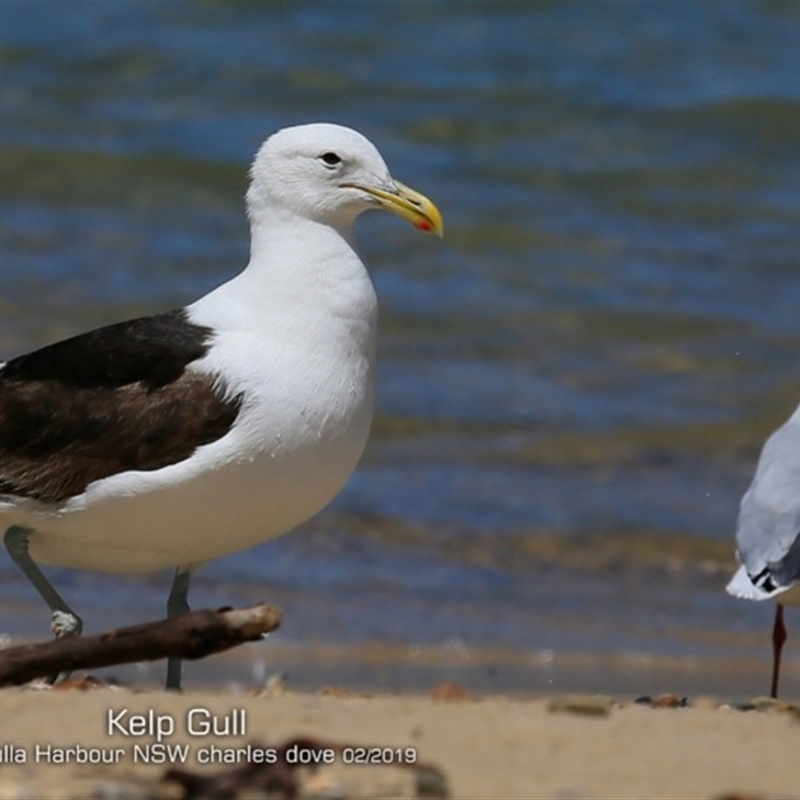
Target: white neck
(302, 277)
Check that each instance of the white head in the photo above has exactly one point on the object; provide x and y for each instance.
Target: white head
(329, 174)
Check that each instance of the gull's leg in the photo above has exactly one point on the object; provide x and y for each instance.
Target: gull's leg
(778, 638)
(177, 603)
(65, 621)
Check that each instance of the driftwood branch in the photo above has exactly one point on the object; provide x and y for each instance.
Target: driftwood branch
(191, 636)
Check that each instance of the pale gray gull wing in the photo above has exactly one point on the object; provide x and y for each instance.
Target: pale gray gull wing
(768, 533)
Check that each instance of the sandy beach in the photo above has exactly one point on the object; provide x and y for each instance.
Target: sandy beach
(485, 747)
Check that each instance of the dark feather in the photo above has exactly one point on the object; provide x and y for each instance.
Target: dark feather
(152, 350)
(114, 399)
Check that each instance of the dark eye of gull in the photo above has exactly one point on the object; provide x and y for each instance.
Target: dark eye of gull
(331, 159)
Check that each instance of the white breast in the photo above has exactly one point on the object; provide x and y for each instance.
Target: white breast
(306, 374)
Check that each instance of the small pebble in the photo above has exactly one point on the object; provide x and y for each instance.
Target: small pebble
(670, 701)
(432, 783)
(450, 692)
(745, 706)
(663, 701)
(587, 705)
(83, 683)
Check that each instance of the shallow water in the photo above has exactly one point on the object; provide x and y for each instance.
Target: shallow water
(574, 385)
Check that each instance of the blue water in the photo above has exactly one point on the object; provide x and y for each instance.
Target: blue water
(588, 362)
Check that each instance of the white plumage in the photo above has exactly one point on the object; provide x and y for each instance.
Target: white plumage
(282, 356)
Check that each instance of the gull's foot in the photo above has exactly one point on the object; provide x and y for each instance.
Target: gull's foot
(65, 623)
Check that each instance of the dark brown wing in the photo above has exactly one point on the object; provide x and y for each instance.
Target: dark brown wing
(115, 399)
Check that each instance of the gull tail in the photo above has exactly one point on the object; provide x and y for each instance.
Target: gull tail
(740, 585)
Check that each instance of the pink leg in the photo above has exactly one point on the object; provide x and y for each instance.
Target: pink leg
(778, 638)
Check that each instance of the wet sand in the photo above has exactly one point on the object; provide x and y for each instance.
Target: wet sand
(486, 746)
